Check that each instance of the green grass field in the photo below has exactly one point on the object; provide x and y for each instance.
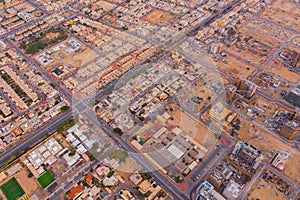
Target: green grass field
(46, 179)
(12, 189)
(121, 155)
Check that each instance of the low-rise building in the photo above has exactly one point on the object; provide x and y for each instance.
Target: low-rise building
(206, 191)
(279, 159)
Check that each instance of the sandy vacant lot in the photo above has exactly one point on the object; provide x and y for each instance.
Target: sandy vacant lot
(255, 59)
(76, 59)
(270, 30)
(125, 169)
(281, 71)
(236, 67)
(266, 142)
(159, 17)
(287, 15)
(105, 5)
(263, 190)
(29, 185)
(191, 127)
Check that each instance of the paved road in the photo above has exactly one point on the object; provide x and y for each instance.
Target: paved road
(141, 160)
(267, 166)
(246, 190)
(161, 179)
(207, 165)
(74, 179)
(34, 137)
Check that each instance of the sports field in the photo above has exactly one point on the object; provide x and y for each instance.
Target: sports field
(46, 179)
(12, 189)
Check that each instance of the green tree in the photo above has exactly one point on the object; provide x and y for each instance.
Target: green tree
(64, 108)
(30, 175)
(110, 173)
(178, 179)
(118, 131)
(146, 176)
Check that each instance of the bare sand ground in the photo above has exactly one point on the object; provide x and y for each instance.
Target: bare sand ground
(159, 17)
(263, 190)
(125, 169)
(191, 127)
(29, 185)
(266, 142)
(281, 71)
(287, 15)
(254, 59)
(236, 67)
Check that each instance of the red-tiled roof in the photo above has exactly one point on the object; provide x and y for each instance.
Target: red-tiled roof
(88, 180)
(75, 191)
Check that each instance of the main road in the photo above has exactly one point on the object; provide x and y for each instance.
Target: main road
(141, 160)
(34, 137)
(37, 135)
